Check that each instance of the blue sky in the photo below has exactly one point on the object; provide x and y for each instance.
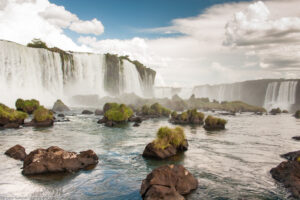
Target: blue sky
(125, 19)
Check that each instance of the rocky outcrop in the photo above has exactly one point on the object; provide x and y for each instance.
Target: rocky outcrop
(187, 117)
(86, 112)
(214, 123)
(17, 152)
(59, 106)
(27, 106)
(159, 153)
(168, 182)
(98, 112)
(42, 117)
(55, 159)
(154, 111)
(10, 118)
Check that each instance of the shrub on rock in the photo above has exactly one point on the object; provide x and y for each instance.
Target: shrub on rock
(42, 117)
(214, 123)
(28, 106)
(59, 106)
(168, 143)
(115, 114)
(11, 116)
(155, 110)
(188, 117)
(168, 182)
(275, 111)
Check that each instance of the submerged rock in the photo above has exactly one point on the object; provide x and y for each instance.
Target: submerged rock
(12, 125)
(296, 137)
(59, 106)
(168, 143)
(168, 182)
(86, 112)
(136, 124)
(61, 115)
(17, 152)
(55, 159)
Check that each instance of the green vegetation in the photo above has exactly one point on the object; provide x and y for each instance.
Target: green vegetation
(11, 114)
(28, 106)
(188, 117)
(37, 43)
(275, 111)
(233, 106)
(118, 113)
(167, 136)
(108, 106)
(155, 109)
(42, 114)
(214, 123)
(297, 114)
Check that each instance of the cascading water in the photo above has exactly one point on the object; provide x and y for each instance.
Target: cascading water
(47, 75)
(29, 73)
(131, 79)
(281, 94)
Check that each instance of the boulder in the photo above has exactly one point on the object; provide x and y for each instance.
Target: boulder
(17, 152)
(168, 182)
(10, 117)
(292, 156)
(288, 173)
(214, 123)
(86, 112)
(98, 112)
(27, 106)
(151, 151)
(55, 159)
(136, 124)
(135, 119)
(296, 137)
(102, 121)
(59, 106)
(61, 115)
(12, 125)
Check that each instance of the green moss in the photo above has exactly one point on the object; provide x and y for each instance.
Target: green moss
(11, 114)
(297, 114)
(108, 106)
(214, 122)
(28, 106)
(155, 109)
(42, 114)
(118, 113)
(167, 136)
(174, 114)
(37, 43)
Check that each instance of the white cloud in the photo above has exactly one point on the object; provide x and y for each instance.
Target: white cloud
(88, 27)
(23, 20)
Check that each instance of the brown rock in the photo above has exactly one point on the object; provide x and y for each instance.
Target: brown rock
(12, 125)
(17, 152)
(55, 159)
(168, 182)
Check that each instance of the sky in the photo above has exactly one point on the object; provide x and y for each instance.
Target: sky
(190, 42)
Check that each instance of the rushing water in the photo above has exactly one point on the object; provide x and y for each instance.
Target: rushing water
(230, 164)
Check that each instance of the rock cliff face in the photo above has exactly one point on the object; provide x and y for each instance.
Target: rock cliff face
(50, 74)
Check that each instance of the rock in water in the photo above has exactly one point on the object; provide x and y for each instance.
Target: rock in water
(98, 112)
(168, 182)
(87, 112)
(59, 106)
(288, 173)
(17, 152)
(55, 159)
(12, 125)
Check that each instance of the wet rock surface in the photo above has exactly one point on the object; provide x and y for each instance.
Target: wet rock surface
(55, 159)
(168, 182)
(17, 152)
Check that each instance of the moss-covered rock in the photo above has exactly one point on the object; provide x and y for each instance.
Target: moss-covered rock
(59, 106)
(188, 117)
(297, 114)
(28, 106)
(11, 116)
(155, 110)
(115, 114)
(168, 143)
(214, 123)
(275, 111)
(42, 117)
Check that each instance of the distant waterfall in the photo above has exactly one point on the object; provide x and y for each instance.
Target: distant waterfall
(131, 79)
(281, 94)
(47, 76)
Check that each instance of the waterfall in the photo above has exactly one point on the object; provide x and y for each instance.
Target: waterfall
(131, 79)
(50, 75)
(29, 73)
(280, 94)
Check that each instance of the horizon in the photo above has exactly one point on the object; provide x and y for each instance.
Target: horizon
(207, 42)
